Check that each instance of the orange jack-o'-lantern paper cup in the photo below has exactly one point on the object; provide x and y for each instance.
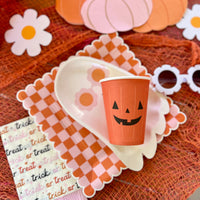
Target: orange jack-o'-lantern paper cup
(125, 102)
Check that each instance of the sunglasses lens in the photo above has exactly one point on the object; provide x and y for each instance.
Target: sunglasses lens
(196, 78)
(167, 79)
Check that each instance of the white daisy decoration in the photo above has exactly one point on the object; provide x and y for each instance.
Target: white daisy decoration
(191, 23)
(28, 33)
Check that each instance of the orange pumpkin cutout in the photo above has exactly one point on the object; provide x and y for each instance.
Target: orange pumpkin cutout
(70, 10)
(125, 102)
(164, 13)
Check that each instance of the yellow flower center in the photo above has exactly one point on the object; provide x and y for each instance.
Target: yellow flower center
(28, 32)
(195, 21)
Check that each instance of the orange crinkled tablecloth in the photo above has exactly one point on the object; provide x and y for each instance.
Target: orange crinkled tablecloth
(174, 172)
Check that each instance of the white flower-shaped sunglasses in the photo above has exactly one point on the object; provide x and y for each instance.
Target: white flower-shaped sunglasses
(167, 79)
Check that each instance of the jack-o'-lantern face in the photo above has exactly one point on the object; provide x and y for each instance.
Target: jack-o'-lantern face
(125, 102)
(120, 117)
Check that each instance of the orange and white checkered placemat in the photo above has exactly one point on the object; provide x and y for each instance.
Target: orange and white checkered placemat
(91, 161)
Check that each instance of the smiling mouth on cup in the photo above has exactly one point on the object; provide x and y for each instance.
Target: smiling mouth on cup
(125, 122)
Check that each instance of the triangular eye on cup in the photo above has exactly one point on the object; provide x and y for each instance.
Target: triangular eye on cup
(140, 107)
(115, 106)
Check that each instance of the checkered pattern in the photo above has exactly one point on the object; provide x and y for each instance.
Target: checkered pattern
(112, 49)
(173, 118)
(91, 161)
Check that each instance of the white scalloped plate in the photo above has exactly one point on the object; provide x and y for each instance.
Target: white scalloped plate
(75, 76)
